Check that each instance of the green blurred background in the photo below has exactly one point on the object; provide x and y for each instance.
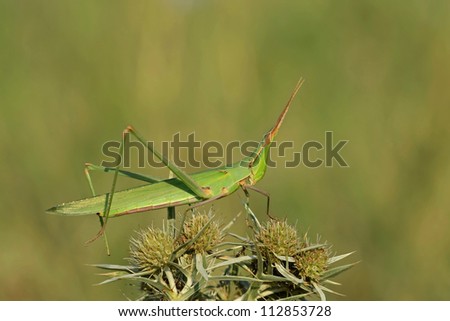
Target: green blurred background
(75, 73)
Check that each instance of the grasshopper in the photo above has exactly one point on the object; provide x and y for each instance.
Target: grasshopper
(183, 189)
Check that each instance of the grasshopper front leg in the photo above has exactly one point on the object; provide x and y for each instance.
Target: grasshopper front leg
(245, 188)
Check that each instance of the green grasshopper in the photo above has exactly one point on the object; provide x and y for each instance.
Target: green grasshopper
(184, 189)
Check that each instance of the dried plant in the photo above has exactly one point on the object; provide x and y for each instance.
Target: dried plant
(207, 262)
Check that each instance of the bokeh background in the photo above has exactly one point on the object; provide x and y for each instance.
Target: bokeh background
(73, 74)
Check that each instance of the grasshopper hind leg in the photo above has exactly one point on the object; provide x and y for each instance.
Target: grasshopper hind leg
(87, 170)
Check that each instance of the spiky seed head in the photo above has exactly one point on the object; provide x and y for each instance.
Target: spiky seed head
(312, 264)
(278, 237)
(209, 237)
(151, 249)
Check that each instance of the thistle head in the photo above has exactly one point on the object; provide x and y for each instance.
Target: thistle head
(278, 237)
(151, 249)
(204, 233)
(311, 264)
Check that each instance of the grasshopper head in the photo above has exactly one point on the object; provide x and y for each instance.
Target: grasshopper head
(257, 162)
